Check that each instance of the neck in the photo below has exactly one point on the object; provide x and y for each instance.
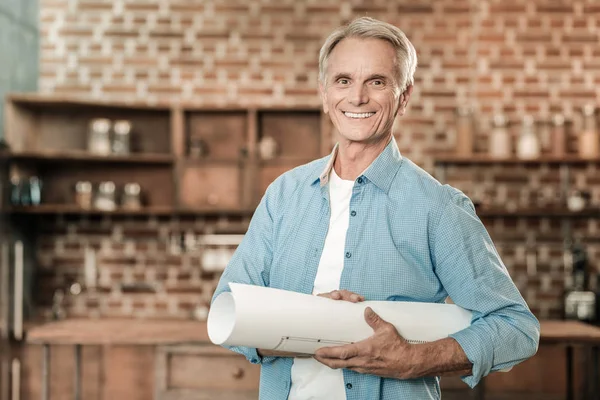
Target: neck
(354, 157)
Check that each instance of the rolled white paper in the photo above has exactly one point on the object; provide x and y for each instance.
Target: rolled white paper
(275, 319)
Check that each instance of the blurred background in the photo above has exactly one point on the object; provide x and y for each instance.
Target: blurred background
(139, 135)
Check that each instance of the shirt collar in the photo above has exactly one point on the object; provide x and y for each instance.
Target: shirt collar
(381, 171)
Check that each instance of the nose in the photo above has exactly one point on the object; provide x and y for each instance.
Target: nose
(358, 95)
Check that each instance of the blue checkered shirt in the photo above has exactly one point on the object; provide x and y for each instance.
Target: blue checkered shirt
(409, 239)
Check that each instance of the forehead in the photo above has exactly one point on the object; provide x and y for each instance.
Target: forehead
(356, 55)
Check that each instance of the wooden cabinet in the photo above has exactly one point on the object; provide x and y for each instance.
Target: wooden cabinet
(185, 158)
(204, 372)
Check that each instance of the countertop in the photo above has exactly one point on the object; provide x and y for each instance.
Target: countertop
(118, 332)
(157, 332)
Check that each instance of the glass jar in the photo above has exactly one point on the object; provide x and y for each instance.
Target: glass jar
(464, 131)
(131, 197)
(83, 194)
(35, 191)
(589, 142)
(529, 144)
(105, 197)
(99, 136)
(121, 142)
(499, 138)
(267, 148)
(559, 139)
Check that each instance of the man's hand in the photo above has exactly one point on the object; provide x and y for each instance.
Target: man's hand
(385, 354)
(389, 355)
(345, 295)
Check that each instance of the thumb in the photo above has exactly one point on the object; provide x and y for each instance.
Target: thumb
(373, 319)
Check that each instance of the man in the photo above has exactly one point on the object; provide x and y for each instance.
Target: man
(367, 223)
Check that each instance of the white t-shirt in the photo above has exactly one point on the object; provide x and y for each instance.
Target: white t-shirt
(312, 380)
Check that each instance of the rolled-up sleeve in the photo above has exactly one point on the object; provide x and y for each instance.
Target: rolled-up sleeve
(503, 331)
(251, 262)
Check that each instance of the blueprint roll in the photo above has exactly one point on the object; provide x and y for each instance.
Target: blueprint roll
(275, 319)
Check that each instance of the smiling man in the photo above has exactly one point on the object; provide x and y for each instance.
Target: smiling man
(365, 223)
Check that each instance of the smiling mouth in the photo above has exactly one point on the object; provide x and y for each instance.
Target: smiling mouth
(358, 115)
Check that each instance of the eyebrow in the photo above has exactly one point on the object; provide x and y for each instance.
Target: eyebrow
(370, 78)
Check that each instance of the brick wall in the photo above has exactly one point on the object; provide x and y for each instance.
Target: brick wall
(519, 57)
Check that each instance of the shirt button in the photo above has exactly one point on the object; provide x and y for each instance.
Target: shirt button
(353, 213)
(349, 385)
(348, 255)
(360, 180)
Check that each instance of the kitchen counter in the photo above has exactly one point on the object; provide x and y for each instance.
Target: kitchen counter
(156, 332)
(560, 331)
(118, 332)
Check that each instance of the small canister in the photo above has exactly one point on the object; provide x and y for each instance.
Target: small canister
(131, 197)
(99, 136)
(105, 198)
(83, 194)
(121, 137)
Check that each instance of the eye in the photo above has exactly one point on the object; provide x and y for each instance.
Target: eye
(378, 82)
(343, 81)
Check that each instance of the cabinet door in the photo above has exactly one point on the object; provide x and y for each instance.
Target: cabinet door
(211, 187)
(204, 372)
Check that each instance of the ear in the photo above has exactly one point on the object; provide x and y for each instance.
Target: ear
(404, 97)
(323, 93)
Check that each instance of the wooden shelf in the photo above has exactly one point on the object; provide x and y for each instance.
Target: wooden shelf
(287, 161)
(48, 134)
(487, 159)
(118, 332)
(84, 156)
(70, 209)
(214, 161)
(74, 209)
(38, 100)
(536, 213)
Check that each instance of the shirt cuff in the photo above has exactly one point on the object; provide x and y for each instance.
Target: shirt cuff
(252, 355)
(479, 349)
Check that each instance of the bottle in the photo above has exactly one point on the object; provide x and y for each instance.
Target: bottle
(499, 138)
(559, 139)
(589, 143)
(35, 191)
(580, 261)
(464, 131)
(528, 146)
(580, 302)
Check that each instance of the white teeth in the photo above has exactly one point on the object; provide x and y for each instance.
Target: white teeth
(358, 115)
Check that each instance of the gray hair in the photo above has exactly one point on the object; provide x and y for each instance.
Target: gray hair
(370, 28)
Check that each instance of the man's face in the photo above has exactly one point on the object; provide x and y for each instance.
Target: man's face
(361, 94)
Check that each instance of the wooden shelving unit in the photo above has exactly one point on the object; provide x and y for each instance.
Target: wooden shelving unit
(536, 213)
(75, 156)
(484, 159)
(66, 209)
(47, 136)
(443, 161)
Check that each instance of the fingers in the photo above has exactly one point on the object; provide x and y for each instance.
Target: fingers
(374, 320)
(345, 295)
(338, 352)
